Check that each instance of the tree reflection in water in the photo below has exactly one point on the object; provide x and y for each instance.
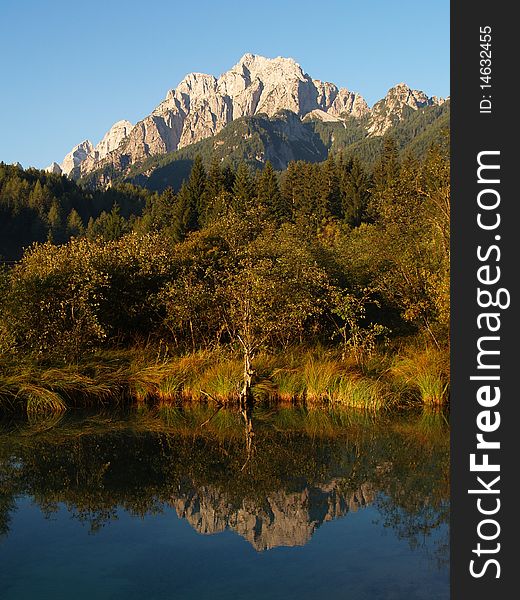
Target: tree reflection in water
(273, 476)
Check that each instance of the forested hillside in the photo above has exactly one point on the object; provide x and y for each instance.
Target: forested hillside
(36, 206)
(323, 233)
(334, 256)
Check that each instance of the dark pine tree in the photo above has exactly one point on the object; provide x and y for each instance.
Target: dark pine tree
(329, 201)
(356, 193)
(214, 202)
(197, 185)
(386, 170)
(291, 187)
(269, 195)
(190, 202)
(243, 189)
(215, 183)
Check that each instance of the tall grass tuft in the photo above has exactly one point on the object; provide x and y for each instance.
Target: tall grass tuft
(320, 379)
(426, 371)
(39, 399)
(220, 381)
(313, 377)
(361, 392)
(289, 384)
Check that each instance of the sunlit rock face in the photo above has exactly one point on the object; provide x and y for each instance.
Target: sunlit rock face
(281, 519)
(391, 109)
(202, 105)
(75, 157)
(111, 140)
(54, 168)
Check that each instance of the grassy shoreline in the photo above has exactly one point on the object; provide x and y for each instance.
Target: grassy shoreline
(307, 376)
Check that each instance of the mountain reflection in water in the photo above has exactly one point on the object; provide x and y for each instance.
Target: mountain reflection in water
(299, 470)
(281, 518)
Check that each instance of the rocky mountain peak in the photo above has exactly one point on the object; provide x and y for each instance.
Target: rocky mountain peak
(348, 103)
(113, 138)
(110, 141)
(260, 65)
(257, 84)
(76, 156)
(197, 84)
(403, 94)
(54, 168)
(202, 105)
(327, 93)
(392, 108)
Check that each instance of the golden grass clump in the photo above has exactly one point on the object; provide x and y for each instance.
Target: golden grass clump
(426, 371)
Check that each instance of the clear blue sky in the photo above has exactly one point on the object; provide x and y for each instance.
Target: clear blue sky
(71, 69)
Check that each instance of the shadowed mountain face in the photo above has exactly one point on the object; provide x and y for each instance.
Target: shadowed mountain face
(297, 474)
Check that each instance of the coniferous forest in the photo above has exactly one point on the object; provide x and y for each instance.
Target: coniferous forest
(325, 282)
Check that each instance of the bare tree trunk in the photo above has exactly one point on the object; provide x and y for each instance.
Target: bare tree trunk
(249, 433)
(246, 396)
(192, 336)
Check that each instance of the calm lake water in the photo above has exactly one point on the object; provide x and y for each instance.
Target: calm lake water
(186, 504)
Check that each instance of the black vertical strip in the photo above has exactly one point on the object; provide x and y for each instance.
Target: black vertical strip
(473, 132)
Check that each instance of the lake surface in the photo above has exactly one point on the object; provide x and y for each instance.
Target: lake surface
(189, 504)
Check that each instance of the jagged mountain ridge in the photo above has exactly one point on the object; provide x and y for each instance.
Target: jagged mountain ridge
(202, 105)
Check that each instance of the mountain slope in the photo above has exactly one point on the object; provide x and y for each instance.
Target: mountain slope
(414, 134)
(253, 140)
(281, 139)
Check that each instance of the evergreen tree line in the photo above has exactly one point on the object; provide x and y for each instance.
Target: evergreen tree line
(309, 193)
(36, 206)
